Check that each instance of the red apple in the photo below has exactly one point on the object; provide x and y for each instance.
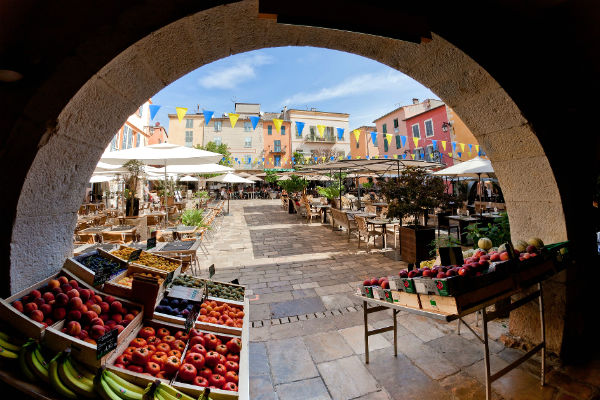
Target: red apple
(495, 257)
(450, 273)
(403, 274)
(374, 281)
(427, 273)
(385, 284)
(367, 282)
(504, 256)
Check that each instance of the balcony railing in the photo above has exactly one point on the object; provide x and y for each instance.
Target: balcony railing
(319, 139)
(277, 149)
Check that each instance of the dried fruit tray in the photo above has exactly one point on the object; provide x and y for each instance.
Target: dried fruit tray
(116, 289)
(86, 274)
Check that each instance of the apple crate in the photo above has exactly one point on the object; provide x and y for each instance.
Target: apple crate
(83, 351)
(114, 288)
(22, 322)
(220, 394)
(140, 379)
(534, 270)
(395, 282)
(74, 265)
(406, 299)
(407, 285)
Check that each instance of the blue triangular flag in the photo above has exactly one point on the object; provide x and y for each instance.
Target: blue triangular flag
(404, 155)
(434, 144)
(254, 119)
(470, 147)
(207, 116)
(299, 127)
(340, 132)
(385, 156)
(403, 141)
(153, 110)
(349, 157)
(374, 138)
(459, 154)
(367, 157)
(331, 158)
(454, 147)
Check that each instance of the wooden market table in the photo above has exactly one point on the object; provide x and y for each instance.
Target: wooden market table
(487, 316)
(463, 222)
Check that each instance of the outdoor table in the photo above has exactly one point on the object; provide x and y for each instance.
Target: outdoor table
(92, 232)
(383, 223)
(126, 231)
(87, 248)
(463, 222)
(382, 305)
(323, 208)
(178, 247)
(351, 214)
(181, 230)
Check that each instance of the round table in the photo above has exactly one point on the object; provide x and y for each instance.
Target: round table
(383, 223)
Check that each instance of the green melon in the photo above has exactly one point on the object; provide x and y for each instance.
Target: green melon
(521, 246)
(537, 242)
(484, 243)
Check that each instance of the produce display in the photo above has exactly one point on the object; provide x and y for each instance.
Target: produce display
(215, 289)
(221, 313)
(147, 259)
(155, 351)
(211, 361)
(128, 279)
(176, 307)
(383, 282)
(96, 262)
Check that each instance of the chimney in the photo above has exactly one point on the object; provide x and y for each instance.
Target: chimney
(415, 101)
(157, 123)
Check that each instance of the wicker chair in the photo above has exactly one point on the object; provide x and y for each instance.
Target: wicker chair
(364, 231)
(371, 209)
(310, 214)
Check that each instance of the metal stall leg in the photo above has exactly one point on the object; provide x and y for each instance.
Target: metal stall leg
(543, 331)
(486, 354)
(395, 333)
(366, 321)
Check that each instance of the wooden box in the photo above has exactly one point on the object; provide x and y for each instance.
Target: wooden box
(73, 265)
(415, 244)
(172, 286)
(22, 322)
(112, 287)
(176, 272)
(406, 299)
(83, 351)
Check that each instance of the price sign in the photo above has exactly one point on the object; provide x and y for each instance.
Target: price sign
(187, 293)
(235, 281)
(151, 243)
(211, 271)
(106, 343)
(191, 318)
(134, 256)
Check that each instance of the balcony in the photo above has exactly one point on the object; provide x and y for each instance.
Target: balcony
(277, 149)
(319, 139)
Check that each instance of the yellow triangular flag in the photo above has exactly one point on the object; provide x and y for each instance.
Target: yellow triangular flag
(277, 123)
(356, 134)
(462, 147)
(449, 154)
(416, 141)
(413, 156)
(395, 155)
(321, 129)
(180, 112)
(444, 145)
(358, 157)
(388, 136)
(233, 119)
(477, 149)
(270, 159)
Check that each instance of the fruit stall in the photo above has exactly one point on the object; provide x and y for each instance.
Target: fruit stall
(126, 324)
(469, 282)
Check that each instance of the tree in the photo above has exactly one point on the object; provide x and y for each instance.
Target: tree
(135, 168)
(218, 148)
(293, 185)
(299, 158)
(271, 177)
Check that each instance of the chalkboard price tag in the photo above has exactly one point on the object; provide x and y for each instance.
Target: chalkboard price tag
(235, 281)
(191, 318)
(106, 343)
(451, 256)
(151, 243)
(135, 255)
(211, 271)
(169, 277)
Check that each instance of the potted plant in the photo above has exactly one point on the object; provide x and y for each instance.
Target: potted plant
(135, 168)
(411, 195)
(332, 192)
(193, 217)
(292, 186)
(202, 196)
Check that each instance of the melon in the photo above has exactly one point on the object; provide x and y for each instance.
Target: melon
(484, 243)
(502, 248)
(521, 246)
(537, 242)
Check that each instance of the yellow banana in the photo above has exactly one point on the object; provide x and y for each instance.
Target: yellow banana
(77, 383)
(6, 353)
(158, 395)
(122, 392)
(8, 345)
(124, 383)
(170, 393)
(103, 388)
(27, 372)
(55, 381)
(39, 369)
(81, 369)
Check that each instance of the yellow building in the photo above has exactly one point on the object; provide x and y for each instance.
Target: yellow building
(187, 132)
(461, 134)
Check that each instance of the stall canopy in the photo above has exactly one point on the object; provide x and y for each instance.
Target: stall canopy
(188, 178)
(229, 178)
(198, 169)
(474, 167)
(102, 178)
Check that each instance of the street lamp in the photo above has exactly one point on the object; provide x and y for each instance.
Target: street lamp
(446, 126)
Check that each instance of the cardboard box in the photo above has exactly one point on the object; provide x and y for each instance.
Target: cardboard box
(406, 299)
(408, 285)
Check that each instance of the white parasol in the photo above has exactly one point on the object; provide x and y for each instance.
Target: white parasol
(229, 178)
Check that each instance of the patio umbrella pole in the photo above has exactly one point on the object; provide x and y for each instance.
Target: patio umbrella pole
(358, 188)
(165, 196)
(228, 196)
(340, 180)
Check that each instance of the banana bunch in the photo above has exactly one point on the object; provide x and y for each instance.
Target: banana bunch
(69, 378)
(111, 386)
(7, 348)
(159, 390)
(427, 264)
(32, 363)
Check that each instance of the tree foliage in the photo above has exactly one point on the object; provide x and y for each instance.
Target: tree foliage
(135, 169)
(271, 177)
(218, 148)
(293, 185)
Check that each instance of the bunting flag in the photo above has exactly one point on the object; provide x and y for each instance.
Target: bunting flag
(449, 154)
(403, 140)
(434, 142)
(356, 134)
(454, 147)
(277, 123)
(459, 154)
(389, 138)
(367, 157)
(386, 156)
(207, 116)
(349, 157)
(462, 147)
(374, 138)
(470, 148)
(404, 156)
(477, 149)
(180, 112)
(416, 141)
(340, 132)
(332, 158)
(321, 129)
(233, 119)
(413, 156)
(254, 119)
(444, 145)
(153, 110)
(299, 127)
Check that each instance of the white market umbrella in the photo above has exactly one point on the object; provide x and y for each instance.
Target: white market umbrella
(254, 178)
(188, 178)
(199, 169)
(243, 174)
(102, 178)
(229, 178)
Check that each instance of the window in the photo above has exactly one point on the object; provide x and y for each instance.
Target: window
(329, 134)
(141, 110)
(429, 152)
(357, 144)
(313, 132)
(398, 142)
(297, 132)
(396, 129)
(113, 143)
(282, 130)
(247, 126)
(124, 138)
(189, 123)
(247, 159)
(217, 140)
(270, 129)
(429, 128)
(248, 142)
(137, 139)
(129, 138)
(277, 161)
(218, 126)
(384, 128)
(189, 138)
(385, 145)
(415, 131)
(277, 145)
(419, 153)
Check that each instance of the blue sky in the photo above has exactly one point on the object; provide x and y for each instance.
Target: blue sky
(299, 77)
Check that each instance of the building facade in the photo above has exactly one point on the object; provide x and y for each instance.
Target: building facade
(277, 145)
(133, 132)
(156, 134)
(426, 136)
(363, 147)
(461, 134)
(311, 142)
(187, 132)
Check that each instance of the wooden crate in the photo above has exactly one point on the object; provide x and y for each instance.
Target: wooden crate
(140, 379)
(81, 271)
(83, 351)
(218, 298)
(176, 272)
(112, 287)
(406, 299)
(22, 322)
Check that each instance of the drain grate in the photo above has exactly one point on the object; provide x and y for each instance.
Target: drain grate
(305, 317)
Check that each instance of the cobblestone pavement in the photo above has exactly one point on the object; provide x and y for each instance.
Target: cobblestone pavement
(306, 339)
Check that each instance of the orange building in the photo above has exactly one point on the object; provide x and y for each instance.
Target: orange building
(277, 145)
(461, 134)
(363, 147)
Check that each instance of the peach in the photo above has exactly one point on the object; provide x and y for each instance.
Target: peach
(97, 299)
(105, 307)
(134, 312)
(63, 280)
(129, 317)
(97, 331)
(18, 305)
(85, 294)
(74, 283)
(59, 313)
(29, 307)
(95, 308)
(35, 294)
(37, 316)
(73, 293)
(83, 309)
(56, 290)
(48, 296)
(504, 256)
(74, 315)
(66, 287)
(48, 321)
(97, 321)
(116, 306)
(87, 317)
(75, 303)
(110, 324)
(117, 318)
(73, 328)
(53, 284)
(109, 299)
(104, 317)
(46, 309)
(83, 334)
(62, 299)
(119, 328)
(495, 257)
(39, 301)
(124, 311)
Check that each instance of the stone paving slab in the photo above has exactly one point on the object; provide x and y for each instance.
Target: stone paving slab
(457, 350)
(327, 346)
(355, 338)
(305, 305)
(313, 389)
(429, 360)
(347, 378)
(290, 361)
(381, 395)
(422, 327)
(261, 388)
(336, 301)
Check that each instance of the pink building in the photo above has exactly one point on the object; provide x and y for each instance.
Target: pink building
(157, 134)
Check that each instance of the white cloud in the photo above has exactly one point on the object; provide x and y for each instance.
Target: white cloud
(230, 77)
(352, 86)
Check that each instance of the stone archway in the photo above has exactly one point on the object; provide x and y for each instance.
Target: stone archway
(69, 152)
